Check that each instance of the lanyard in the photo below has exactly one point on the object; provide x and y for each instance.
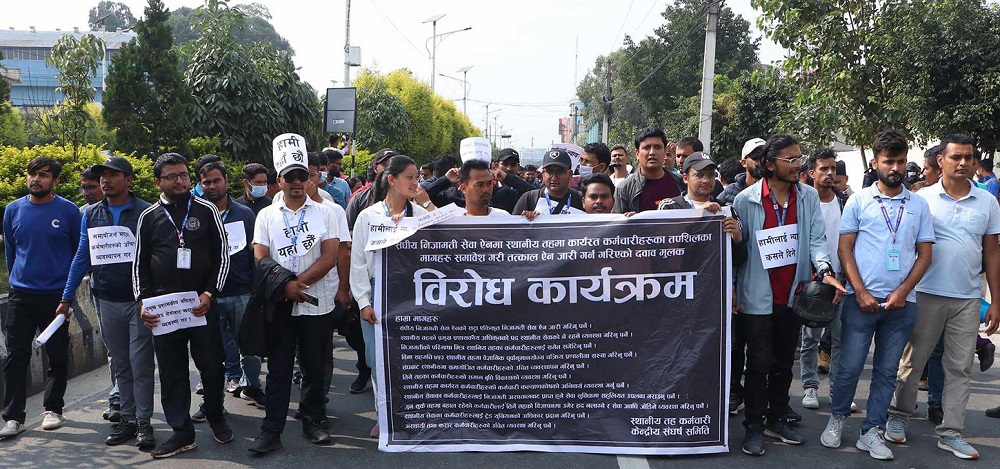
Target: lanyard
(899, 217)
(780, 212)
(180, 231)
(295, 234)
(548, 201)
(224, 214)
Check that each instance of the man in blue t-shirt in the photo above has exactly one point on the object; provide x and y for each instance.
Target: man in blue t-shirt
(40, 237)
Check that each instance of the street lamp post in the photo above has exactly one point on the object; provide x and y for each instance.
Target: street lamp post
(434, 42)
(465, 86)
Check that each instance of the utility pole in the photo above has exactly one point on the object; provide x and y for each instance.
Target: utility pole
(607, 102)
(708, 77)
(486, 128)
(347, 45)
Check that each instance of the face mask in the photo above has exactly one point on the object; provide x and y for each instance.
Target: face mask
(258, 191)
(911, 174)
(586, 170)
(322, 175)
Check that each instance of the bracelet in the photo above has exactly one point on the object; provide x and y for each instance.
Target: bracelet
(67, 302)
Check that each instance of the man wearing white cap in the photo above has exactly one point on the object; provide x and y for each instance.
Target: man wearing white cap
(745, 179)
(301, 236)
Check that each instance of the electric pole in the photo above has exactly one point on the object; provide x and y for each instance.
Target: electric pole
(347, 46)
(607, 102)
(708, 77)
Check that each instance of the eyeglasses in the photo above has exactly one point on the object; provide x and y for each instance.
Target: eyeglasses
(703, 176)
(174, 177)
(88, 188)
(299, 174)
(794, 161)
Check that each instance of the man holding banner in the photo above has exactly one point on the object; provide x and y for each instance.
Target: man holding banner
(107, 247)
(182, 255)
(555, 197)
(783, 226)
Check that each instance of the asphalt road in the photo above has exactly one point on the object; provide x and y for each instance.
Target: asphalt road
(81, 442)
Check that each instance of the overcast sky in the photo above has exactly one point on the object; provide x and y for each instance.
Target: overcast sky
(521, 51)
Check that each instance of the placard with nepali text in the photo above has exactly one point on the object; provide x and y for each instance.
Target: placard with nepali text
(174, 311)
(111, 245)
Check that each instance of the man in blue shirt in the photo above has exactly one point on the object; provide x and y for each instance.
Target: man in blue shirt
(966, 228)
(40, 234)
(330, 172)
(985, 176)
(885, 247)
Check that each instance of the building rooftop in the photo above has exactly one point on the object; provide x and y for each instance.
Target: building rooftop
(47, 39)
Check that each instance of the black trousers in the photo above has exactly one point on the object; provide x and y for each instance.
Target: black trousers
(313, 335)
(175, 381)
(28, 314)
(739, 356)
(771, 342)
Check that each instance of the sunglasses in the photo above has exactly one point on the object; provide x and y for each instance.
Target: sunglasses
(299, 174)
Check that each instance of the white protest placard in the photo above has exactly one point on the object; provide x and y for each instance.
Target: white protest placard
(174, 311)
(237, 235)
(384, 233)
(289, 149)
(778, 246)
(476, 148)
(306, 235)
(542, 207)
(574, 152)
(111, 245)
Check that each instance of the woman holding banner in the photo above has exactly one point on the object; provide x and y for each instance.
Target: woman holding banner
(394, 187)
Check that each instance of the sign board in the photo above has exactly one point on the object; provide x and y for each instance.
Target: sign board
(341, 110)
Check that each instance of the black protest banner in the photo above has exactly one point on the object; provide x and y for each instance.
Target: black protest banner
(572, 334)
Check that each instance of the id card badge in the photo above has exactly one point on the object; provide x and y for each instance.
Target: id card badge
(293, 264)
(183, 258)
(892, 259)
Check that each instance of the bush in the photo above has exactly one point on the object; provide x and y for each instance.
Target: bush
(361, 160)
(14, 162)
(12, 131)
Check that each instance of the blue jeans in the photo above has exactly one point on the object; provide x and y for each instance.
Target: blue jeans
(935, 376)
(890, 330)
(368, 333)
(244, 368)
(809, 351)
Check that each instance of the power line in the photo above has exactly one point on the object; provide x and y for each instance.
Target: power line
(701, 14)
(624, 20)
(398, 31)
(536, 105)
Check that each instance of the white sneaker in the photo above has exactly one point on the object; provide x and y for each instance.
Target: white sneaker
(810, 399)
(854, 407)
(52, 420)
(873, 442)
(11, 428)
(834, 429)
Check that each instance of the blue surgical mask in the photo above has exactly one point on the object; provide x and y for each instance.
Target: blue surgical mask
(586, 170)
(258, 191)
(323, 175)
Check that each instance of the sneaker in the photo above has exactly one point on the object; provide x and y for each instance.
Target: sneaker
(791, 416)
(52, 420)
(362, 383)
(123, 431)
(11, 428)
(255, 397)
(221, 432)
(935, 415)
(173, 446)
(873, 442)
(199, 389)
(735, 403)
(316, 433)
(810, 399)
(823, 364)
(783, 431)
(113, 413)
(895, 429)
(265, 443)
(834, 429)
(985, 354)
(200, 416)
(993, 412)
(753, 442)
(144, 438)
(958, 446)
(233, 386)
(854, 407)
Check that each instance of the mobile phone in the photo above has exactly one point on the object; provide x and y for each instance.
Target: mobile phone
(311, 299)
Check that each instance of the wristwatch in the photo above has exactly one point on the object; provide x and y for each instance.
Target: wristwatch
(208, 293)
(426, 204)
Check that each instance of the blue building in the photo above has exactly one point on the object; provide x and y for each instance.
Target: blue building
(33, 84)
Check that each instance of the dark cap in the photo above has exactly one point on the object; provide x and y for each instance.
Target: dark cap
(116, 163)
(508, 153)
(557, 157)
(698, 161)
(841, 169)
(382, 155)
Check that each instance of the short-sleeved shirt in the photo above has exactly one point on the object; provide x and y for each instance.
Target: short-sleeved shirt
(325, 288)
(959, 227)
(782, 277)
(655, 191)
(863, 215)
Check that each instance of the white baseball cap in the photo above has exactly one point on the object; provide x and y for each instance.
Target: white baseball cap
(751, 145)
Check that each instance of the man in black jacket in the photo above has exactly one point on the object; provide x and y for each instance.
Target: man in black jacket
(181, 246)
(555, 197)
(699, 174)
(652, 182)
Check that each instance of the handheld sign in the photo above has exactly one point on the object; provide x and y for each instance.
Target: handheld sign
(174, 311)
(476, 148)
(111, 245)
(574, 152)
(778, 246)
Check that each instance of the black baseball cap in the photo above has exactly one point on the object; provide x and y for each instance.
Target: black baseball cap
(382, 155)
(557, 157)
(841, 168)
(508, 153)
(698, 161)
(116, 163)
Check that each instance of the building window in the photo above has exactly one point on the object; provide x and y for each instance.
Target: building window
(25, 53)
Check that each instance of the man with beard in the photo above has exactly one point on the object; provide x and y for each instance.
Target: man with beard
(555, 197)
(595, 159)
(181, 246)
(41, 232)
(966, 228)
(598, 194)
(748, 158)
(653, 182)
(477, 185)
(886, 236)
(986, 177)
(771, 328)
(335, 184)
(620, 169)
(242, 372)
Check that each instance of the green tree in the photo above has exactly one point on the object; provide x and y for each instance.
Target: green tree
(12, 130)
(382, 121)
(147, 101)
(76, 62)
(752, 107)
(111, 16)
(4, 86)
(256, 27)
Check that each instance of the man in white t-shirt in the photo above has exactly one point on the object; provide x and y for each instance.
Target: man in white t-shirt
(476, 183)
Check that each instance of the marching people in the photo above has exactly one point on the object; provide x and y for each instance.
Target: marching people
(41, 233)
(555, 197)
(129, 342)
(181, 246)
(255, 188)
(966, 228)
(362, 198)
(336, 185)
(885, 249)
(699, 173)
(301, 236)
(771, 328)
(595, 159)
(653, 182)
(393, 189)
